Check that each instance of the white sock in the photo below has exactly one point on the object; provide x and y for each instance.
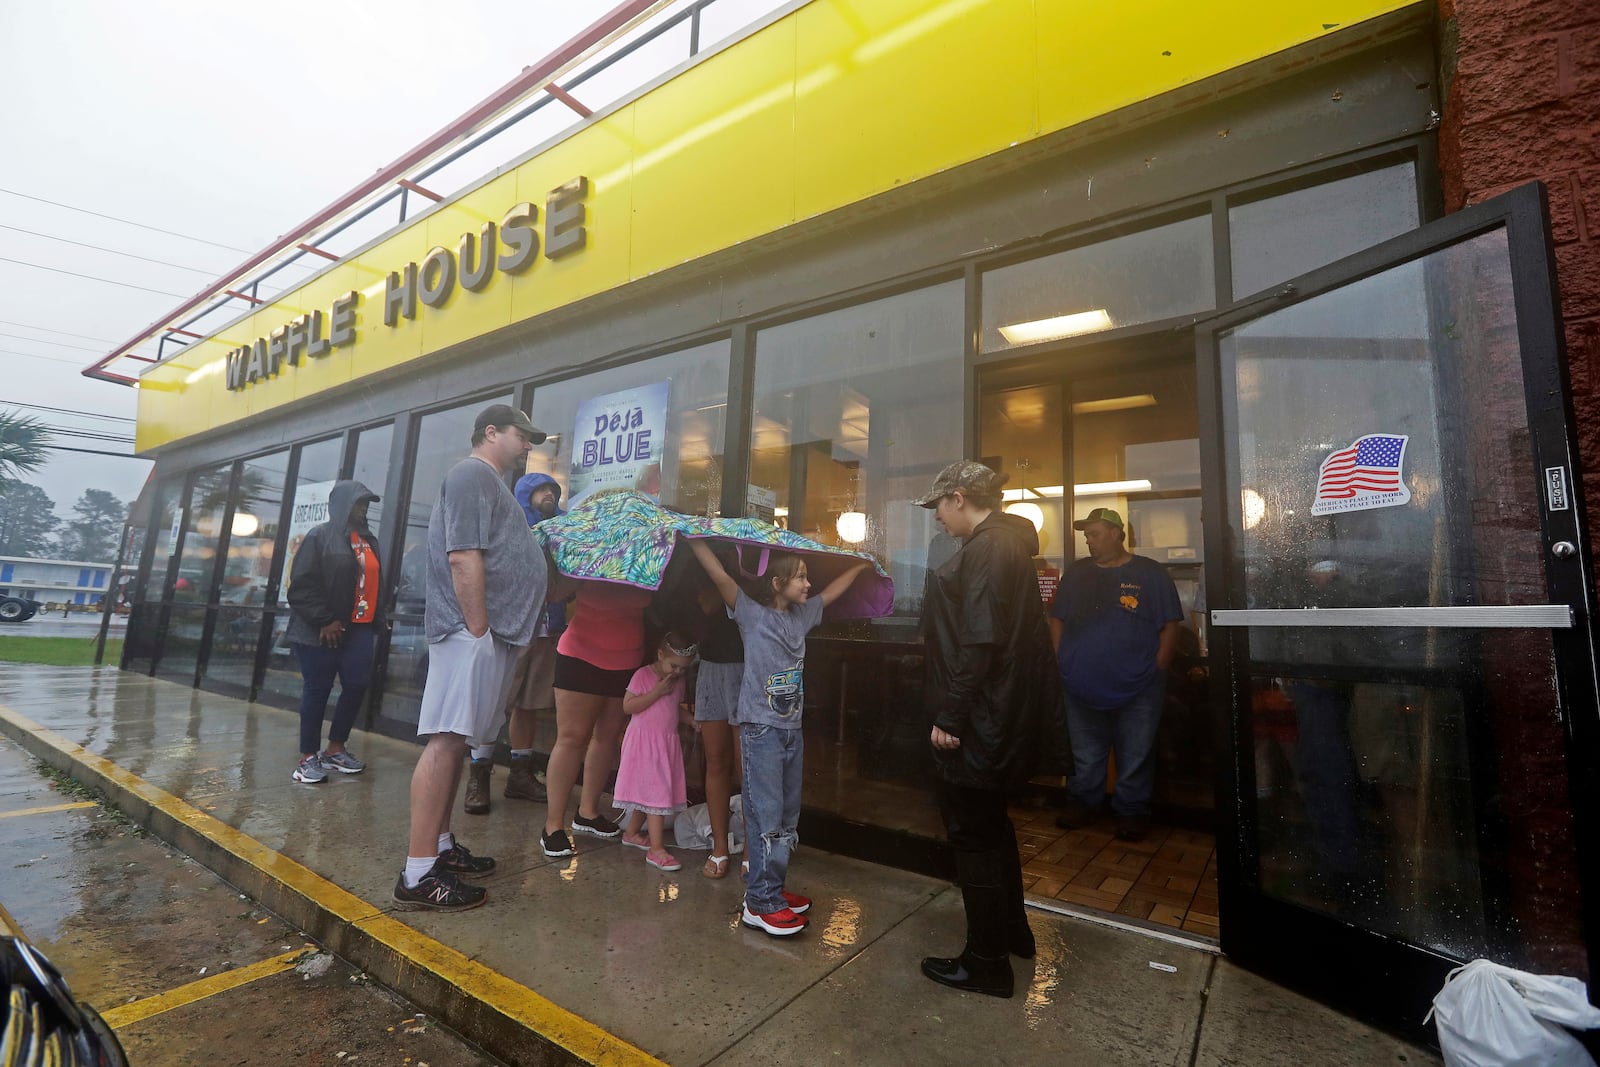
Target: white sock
(521, 753)
(447, 840)
(416, 867)
(483, 752)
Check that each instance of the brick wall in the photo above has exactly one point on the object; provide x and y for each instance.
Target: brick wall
(1521, 85)
(1521, 88)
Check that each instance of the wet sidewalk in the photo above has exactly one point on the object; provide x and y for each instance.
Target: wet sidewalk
(599, 958)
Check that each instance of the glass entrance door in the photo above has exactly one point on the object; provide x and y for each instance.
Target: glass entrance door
(1401, 636)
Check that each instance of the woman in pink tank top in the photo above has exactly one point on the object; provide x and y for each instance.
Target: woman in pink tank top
(598, 653)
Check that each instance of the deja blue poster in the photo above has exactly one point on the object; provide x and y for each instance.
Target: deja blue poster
(618, 442)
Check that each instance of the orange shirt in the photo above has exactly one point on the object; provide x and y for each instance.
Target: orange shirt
(365, 608)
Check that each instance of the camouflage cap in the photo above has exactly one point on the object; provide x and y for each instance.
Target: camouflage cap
(964, 474)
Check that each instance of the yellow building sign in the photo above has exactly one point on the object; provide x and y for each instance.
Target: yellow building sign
(835, 102)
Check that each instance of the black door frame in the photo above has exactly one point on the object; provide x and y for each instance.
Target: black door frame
(1378, 977)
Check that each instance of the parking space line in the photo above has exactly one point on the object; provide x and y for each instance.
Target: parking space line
(48, 808)
(493, 993)
(124, 1016)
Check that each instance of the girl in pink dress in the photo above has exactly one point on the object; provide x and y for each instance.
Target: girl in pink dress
(650, 783)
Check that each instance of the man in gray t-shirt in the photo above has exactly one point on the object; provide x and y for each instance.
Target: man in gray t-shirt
(476, 511)
(486, 586)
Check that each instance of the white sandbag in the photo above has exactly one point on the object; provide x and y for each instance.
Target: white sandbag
(693, 826)
(1494, 1016)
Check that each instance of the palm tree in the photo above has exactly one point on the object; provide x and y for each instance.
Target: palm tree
(24, 444)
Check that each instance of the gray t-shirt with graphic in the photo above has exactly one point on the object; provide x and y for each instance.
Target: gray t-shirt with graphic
(773, 690)
(475, 510)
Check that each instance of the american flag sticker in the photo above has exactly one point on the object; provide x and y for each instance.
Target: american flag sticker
(1365, 475)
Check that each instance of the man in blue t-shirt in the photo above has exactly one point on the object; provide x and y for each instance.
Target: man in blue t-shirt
(1114, 621)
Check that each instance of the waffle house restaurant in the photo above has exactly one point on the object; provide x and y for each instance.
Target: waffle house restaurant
(1136, 256)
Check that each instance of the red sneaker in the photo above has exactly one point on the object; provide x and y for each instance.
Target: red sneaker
(797, 903)
(780, 923)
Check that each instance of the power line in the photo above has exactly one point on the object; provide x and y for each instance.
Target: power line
(43, 341)
(92, 278)
(88, 435)
(48, 359)
(103, 248)
(91, 451)
(128, 222)
(64, 333)
(69, 411)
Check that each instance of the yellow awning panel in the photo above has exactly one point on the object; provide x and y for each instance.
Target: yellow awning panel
(836, 102)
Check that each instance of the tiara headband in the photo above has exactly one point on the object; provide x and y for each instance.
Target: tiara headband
(690, 650)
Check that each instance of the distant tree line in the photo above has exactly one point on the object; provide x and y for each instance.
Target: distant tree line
(29, 525)
(28, 522)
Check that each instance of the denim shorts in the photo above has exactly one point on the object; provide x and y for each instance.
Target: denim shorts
(716, 693)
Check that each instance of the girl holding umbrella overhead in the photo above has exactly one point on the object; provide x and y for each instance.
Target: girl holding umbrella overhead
(993, 690)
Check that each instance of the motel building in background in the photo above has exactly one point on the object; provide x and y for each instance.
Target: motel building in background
(1171, 258)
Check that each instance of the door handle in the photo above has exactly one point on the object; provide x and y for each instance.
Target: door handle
(1563, 550)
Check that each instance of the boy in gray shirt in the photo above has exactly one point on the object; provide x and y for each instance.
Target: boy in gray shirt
(770, 704)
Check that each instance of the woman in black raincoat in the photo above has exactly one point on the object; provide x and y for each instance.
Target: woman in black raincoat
(993, 691)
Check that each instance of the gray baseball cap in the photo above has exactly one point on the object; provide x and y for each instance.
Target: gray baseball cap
(506, 415)
(964, 474)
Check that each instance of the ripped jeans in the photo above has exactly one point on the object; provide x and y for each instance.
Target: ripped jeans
(772, 760)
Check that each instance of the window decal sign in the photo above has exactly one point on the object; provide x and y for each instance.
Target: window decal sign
(618, 441)
(1364, 475)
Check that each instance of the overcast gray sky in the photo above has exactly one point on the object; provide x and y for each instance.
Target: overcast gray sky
(227, 123)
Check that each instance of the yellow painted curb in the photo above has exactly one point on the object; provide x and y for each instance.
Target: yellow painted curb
(124, 1016)
(556, 1024)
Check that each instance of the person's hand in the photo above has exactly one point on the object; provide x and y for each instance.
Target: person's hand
(478, 631)
(944, 742)
(332, 634)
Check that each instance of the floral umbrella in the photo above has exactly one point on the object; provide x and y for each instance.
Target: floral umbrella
(627, 538)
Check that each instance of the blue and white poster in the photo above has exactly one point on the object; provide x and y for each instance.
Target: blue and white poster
(618, 442)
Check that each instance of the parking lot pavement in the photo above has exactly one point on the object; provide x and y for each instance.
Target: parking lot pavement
(183, 967)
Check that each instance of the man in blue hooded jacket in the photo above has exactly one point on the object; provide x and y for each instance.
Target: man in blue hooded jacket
(533, 685)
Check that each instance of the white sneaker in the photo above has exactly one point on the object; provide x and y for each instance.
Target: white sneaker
(310, 771)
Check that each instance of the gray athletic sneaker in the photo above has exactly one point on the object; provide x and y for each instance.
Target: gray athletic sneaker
(310, 771)
(344, 762)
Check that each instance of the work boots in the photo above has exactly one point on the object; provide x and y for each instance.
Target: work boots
(478, 774)
(984, 966)
(521, 784)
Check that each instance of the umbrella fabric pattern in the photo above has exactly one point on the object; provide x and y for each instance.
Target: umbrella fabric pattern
(626, 537)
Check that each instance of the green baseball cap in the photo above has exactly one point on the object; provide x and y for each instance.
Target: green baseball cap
(1105, 515)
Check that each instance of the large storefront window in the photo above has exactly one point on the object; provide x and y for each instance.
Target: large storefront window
(1152, 274)
(371, 467)
(144, 616)
(855, 412)
(444, 438)
(319, 468)
(685, 394)
(252, 542)
(195, 567)
(1280, 236)
(196, 564)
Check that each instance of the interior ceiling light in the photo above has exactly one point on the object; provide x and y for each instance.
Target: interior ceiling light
(1134, 485)
(1032, 512)
(1115, 403)
(852, 527)
(245, 524)
(1029, 333)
